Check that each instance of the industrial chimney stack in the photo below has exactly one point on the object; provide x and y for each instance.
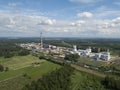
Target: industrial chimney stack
(41, 43)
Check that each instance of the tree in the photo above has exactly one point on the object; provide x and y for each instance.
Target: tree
(7, 54)
(41, 57)
(72, 57)
(23, 52)
(1, 68)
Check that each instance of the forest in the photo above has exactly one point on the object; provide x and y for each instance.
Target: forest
(65, 78)
(8, 50)
(56, 80)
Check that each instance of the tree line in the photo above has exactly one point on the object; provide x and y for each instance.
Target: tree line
(8, 50)
(72, 57)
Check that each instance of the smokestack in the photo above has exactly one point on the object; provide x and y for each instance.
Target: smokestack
(41, 43)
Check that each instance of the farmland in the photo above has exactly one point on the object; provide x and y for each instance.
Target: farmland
(22, 71)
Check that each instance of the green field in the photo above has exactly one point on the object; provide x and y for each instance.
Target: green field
(85, 81)
(18, 62)
(17, 83)
(87, 61)
(22, 65)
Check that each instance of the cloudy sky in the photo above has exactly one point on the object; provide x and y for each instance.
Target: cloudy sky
(60, 18)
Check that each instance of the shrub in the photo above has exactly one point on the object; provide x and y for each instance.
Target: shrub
(6, 69)
(1, 68)
(23, 52)
(72, 57)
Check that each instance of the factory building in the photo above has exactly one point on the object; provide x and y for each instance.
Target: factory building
(62, 51)
(88, 52)
(103, 56)
(81, 51)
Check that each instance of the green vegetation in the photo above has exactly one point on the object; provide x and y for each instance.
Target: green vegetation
(22, 70)
(32, 71)
(87, 61)
(37, 75)
(85, 81)
(97, 45)
(112, 83)
(72, 57)
(23, 67)
(16, 83)
(8, 50)
(116, 64)
(1, 68)
(23, 52)
(56, 80)
(93, 72)
(18, 62)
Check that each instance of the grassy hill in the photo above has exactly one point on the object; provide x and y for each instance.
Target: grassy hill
(85, 81)
(18, 62)
(22, 71)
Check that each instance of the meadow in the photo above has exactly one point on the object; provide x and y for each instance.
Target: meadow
(18, 62)
(22, 71)
(84, 81)
(91, 62)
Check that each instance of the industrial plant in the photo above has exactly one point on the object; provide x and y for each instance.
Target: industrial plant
(62, 51)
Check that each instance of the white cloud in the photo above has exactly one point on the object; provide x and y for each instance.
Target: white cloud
(47, 22)
(116, 20)
(85, 1)
(85, 15)
(109, 24)
(13, 4)
(78, 23)
(24, 24)
(32, 25)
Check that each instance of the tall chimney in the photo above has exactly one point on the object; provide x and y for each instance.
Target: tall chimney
(41, 43)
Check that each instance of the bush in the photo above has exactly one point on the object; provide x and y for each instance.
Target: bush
(8, 55)
(1, 68)
(72, 57)
(6, 69)
(23, 52)
(25, 75)
(41, 57)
